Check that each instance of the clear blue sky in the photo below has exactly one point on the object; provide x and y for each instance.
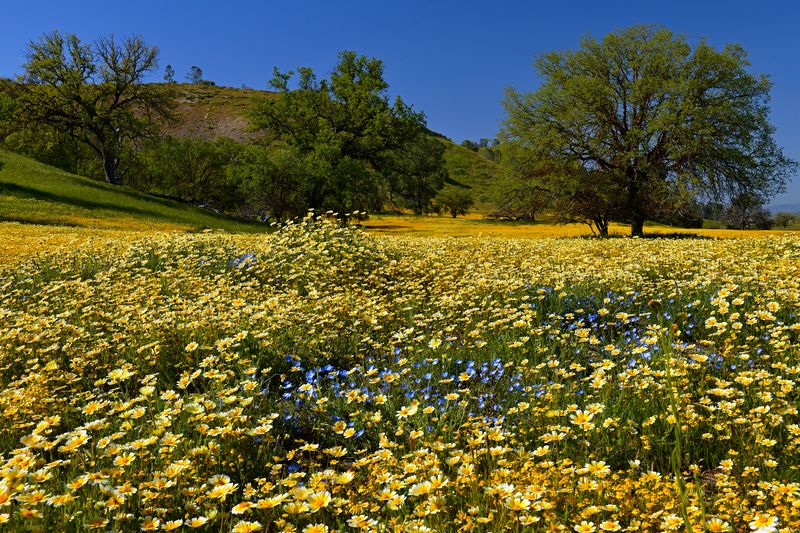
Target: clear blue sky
(450, 59)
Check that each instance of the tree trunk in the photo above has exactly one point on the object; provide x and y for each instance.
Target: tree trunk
(637, 226)
(602, 227)
(634, 202)
(110, 169)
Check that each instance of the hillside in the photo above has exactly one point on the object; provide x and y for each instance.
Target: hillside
(471, 170)
(32, 192)
(211, 112)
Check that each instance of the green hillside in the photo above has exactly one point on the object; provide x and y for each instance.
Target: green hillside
(36, 193)
(475, 172)
(209, 112)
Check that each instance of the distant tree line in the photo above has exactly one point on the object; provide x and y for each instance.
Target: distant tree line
(194, 76)
(490, 149)
(333, 144)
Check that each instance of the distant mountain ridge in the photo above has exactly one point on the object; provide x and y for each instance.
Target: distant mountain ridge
(784, 208)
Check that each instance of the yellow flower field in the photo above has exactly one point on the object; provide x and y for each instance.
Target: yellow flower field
(321, 379)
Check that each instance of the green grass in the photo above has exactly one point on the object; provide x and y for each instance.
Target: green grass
(35, 193)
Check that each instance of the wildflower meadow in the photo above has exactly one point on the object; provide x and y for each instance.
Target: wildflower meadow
(321, 379)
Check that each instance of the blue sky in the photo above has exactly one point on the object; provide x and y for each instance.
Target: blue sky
(450, 59)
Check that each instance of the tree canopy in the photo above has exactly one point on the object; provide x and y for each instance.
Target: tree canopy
(356, 147)
(455, 201)
(637, 124)
(93, 94)
(418, 172)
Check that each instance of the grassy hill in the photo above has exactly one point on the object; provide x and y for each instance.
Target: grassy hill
(471, 170)
(36, 193)
(210, 112)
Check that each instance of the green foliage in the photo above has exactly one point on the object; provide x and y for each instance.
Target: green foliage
(209, 112)
(371, 152)
(346, 131)
(47, 145)
(486, 179)
(489, 149)
(713, 210)
(192, 169)
(492, 153)
(689, 215)
(660, 122)
(93, 94)
(419, 172)
(272, 181)
(520, 200)
(784, 220)
(470, 145)
(7, 104)
(455, 201)
(746, 211)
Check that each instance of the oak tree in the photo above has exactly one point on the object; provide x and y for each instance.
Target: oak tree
(646, 122)
(93, 93)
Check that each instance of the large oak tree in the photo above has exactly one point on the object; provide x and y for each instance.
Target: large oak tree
(93, 93)
(634, 125)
